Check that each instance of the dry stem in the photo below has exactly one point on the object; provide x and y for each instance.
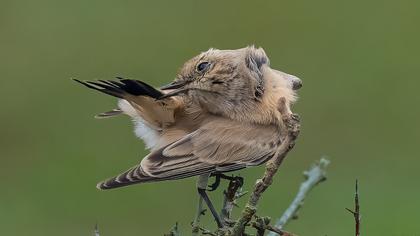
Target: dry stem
(356, 211)
(199, 213)
(231, 194)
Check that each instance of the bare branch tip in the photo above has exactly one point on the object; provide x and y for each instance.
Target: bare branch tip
(350, 210)
(96, 231)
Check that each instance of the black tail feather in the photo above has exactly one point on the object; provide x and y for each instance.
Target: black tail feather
(122, 87)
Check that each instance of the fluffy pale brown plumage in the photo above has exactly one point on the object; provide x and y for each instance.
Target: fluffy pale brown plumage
(218, 115)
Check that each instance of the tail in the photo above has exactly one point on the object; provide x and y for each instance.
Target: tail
(134, 175)
(137, 175)
(122, 88)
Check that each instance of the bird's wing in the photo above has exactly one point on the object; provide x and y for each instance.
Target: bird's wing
(157, 113)
(220, 145)
(143, 98)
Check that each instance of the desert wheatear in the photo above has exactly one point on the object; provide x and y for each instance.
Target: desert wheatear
(218, 115)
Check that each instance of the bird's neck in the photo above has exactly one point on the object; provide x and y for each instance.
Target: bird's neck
(251, 111)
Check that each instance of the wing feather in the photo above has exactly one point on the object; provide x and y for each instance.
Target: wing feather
(220, 145)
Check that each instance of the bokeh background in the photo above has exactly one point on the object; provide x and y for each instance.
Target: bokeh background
(359, 62)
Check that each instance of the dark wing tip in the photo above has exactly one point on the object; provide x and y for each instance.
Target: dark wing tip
(104, 87)
(122, 87)
(85, 83)
(139, 88)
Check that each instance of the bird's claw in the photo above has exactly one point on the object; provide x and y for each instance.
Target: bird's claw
(216, 183)
(220, 176)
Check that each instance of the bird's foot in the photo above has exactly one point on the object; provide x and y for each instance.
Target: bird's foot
(219, 176)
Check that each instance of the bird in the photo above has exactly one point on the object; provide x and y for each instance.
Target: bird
(218, 115)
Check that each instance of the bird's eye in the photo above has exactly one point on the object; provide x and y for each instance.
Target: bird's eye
(203, 66)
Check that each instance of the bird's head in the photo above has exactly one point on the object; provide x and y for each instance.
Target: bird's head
(230, 79)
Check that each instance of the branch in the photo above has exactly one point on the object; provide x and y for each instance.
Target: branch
(263, 223)
(279, 231)
(206, 232)
(291, 123)
(231, 194)
(356, 212)
(199, 213)
(315, 175)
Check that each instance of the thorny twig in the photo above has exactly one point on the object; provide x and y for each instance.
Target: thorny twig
(315, 175)
(231, 194)
(356, 211)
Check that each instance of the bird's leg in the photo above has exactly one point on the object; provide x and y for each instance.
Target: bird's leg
(201, 187)
(206, 198)
(219, 176)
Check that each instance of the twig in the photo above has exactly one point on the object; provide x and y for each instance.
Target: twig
(174, 231)
(96, 232)
(263, 223)
(231, 194)
(279, 231)
(291, 123)
(199, 213)
(315, 175)
(206, 232)
(356, 211)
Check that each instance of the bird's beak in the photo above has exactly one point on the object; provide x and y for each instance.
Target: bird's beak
(177, 86)
(295, 81)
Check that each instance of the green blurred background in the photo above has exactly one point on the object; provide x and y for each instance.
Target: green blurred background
(359, 62)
